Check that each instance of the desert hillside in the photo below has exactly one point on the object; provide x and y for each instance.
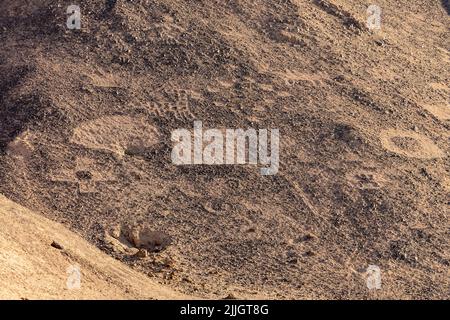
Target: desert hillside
(85, 141)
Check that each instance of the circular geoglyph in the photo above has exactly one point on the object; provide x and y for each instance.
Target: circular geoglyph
(410, 144)
(117, 134)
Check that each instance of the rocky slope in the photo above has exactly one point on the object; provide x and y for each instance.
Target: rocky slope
(87, 117)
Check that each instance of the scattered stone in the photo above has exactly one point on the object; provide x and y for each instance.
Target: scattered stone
(339, 78)
(309, 253)
(56, 245)
(142, 254)
(115, 231)
(306, 237)
(166, 261)
(142, 237)
(291, 256)
(231, 296)
(115, 241)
